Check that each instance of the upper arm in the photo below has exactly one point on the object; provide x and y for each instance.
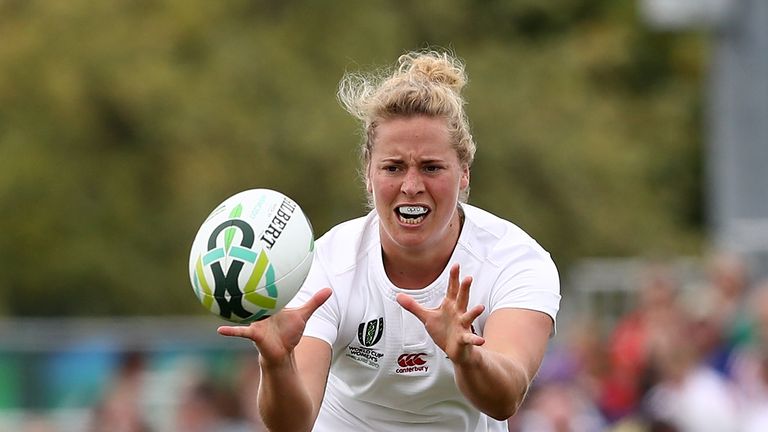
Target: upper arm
(313, 361)
(520, 334)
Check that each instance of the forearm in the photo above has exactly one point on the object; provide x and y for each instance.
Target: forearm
(284, 402)
(494, 383)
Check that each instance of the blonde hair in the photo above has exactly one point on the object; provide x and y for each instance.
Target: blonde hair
(425, 83)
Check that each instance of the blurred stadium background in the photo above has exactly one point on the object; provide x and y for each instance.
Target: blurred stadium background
(629, 137)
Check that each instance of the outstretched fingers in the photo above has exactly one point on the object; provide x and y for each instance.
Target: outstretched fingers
(453, 283)
(408, 303)
(473, 339)
(305, 311)
(236, 331)
(315, 302)
(462, 300)
(471, 315)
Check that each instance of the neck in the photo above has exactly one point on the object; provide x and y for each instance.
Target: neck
(413, 273)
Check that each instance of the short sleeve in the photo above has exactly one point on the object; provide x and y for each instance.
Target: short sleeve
(530, 282)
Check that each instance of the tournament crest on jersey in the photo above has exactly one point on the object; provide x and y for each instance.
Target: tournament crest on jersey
(368, 334)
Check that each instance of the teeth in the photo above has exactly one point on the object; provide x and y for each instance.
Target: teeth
(412, 214)
(411, 221)
(413, 210)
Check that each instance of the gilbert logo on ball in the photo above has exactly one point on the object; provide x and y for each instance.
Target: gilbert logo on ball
(251, 255)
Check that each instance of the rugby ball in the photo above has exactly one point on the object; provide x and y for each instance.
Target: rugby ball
(251, 255)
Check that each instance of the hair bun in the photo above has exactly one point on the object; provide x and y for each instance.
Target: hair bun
(421, 83)
(437, 67)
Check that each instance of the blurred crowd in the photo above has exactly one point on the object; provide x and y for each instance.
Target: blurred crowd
(202, 403)
(684, 359)
(150, 391)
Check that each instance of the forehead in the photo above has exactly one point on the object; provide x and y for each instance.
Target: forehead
(409, 135)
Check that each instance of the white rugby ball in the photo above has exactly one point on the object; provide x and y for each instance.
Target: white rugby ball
(251, 255)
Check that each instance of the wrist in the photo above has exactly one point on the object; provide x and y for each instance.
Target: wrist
(470, 358)
(284, 363)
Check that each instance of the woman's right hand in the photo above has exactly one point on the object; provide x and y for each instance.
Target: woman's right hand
(276, 337)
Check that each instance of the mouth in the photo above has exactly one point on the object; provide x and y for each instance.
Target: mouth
(411, 214)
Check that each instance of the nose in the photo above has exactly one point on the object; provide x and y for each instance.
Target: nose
(412, 182)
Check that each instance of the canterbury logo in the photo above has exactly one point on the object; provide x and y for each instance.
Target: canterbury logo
(406, 360)
(368, 334)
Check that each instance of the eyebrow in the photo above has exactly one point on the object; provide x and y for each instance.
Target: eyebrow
(398, 159)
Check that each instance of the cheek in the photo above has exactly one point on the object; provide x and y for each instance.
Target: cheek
(381, 188)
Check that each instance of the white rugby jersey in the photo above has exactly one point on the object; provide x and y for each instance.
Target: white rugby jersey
(386, 372)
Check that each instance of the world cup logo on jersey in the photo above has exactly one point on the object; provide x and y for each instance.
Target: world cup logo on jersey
(368, 334)
(226, 261)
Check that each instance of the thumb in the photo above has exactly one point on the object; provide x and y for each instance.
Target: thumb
(315, 302)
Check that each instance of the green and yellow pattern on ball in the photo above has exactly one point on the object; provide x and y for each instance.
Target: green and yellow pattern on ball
(226, 284)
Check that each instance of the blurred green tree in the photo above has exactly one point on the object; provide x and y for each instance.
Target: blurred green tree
(123, 123)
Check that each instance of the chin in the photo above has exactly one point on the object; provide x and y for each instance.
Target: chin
(413, 241)
(401, 237)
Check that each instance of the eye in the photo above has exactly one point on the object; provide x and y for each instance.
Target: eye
(432, 168)
(390, 168)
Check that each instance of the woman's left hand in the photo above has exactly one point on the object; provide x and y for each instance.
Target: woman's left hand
(450, 324)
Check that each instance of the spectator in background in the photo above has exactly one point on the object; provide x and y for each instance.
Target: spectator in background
(633, 340)
(119, 409)
(749, 365)
(687, 394)
(719, 309)
(558, 406)
(210, 402)
(198, 409)
(729, 280)
(208, 406)
(564, 393)
(246, 390)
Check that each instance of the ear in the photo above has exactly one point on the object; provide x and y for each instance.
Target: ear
(464, 180)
